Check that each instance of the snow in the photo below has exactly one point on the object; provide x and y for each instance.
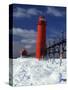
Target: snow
(30, 71)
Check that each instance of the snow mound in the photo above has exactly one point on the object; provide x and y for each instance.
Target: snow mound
(30, 71)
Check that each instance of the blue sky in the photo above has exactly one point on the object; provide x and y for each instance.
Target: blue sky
(25, 19)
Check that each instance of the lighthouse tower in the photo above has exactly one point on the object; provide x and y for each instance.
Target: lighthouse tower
(41, 38)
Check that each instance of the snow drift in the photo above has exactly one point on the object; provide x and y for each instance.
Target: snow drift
(30, 71)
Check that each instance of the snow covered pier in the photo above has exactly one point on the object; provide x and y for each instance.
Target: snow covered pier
(29, 71)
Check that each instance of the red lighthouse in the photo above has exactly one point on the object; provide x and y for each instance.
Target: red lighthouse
(41, 38)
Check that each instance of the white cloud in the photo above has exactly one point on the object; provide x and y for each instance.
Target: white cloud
(33, 41)
(55, 12)
(27, 41)
(54, 36)
(20, 12)
(24, 33)
(34, 11)
(28, 46)
(55, 33)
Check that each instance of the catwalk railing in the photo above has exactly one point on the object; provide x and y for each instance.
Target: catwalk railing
(57, 49)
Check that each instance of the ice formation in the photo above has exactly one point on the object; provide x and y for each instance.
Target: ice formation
(30, 71)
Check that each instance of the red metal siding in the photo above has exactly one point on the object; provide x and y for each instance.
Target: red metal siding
(41, 38)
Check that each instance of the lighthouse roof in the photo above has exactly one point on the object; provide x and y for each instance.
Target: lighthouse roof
(41, 18)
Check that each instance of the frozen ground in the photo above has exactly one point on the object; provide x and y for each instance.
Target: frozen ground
(30, 71)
